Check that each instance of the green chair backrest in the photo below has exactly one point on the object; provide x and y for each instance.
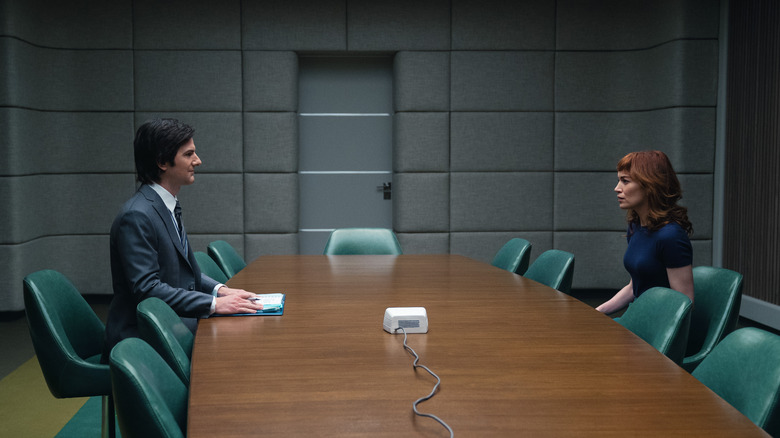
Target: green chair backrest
(554, 268)
(355, 241)
(744, 369)
(150, 399)
(67, 336)
(162, 328)
(661, 317)
(513, 256)
(209, 267)
(717, 298)
(226, 257)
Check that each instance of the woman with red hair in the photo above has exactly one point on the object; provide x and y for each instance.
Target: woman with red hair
(659, 251)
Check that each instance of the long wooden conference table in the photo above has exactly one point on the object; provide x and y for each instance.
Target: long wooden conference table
(516, 358)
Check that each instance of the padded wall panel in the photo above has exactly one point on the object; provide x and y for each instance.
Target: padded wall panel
(11, 230)
(697, 197)
(502, 81)
(586, 201)
(242, 101)
(679, 73)
(583, 202)
(271, 142)
(421, 81)
(501, 201)
(503, 25)
(492, 141)
(398, 25)
(87, 24)
(424, 243)
(84, 142)
(421, 202)
(188, 80)
(484, 246)
(270, 81)
(421, 142)
(84, 260)
(702, 252)
(270, 244)
(271, 201)
(12, 271)
(8, 74)
(213, 203)
(49, 205)
(318, 25)
(218, 138)
(200, 242)
(622, 25)
(597, 141)
(66, 80)
(187, 24)
(598, 258)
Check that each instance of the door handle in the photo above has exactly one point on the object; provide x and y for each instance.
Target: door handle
(386, 189)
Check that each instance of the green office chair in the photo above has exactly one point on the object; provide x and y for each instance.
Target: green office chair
(68, 339)
(209, 267)
(226, 257)
(162, 328)
(151, 401)
(717, 297)
(661, 317)
(744, 369)
(355, 241)
(554, 268)
(513, 256)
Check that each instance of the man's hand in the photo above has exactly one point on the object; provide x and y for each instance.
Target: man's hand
(226, 291)
(236, 304)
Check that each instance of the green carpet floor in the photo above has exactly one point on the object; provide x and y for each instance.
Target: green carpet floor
(86, 422)
(27, 408)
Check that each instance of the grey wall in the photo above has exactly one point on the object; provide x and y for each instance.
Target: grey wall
(510, 117)
(516, 130)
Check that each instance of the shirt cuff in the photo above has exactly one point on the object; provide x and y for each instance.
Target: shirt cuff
(214, 300)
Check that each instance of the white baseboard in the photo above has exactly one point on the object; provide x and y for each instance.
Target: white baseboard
(760, 311)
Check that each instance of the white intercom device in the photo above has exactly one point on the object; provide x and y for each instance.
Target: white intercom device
(411, 319)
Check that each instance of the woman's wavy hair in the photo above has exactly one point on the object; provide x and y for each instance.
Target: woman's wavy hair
(653, 171)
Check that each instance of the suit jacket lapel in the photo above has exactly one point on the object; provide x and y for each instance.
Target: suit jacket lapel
(166, 217)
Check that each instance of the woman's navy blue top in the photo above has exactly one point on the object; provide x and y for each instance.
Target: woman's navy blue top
(650, 253)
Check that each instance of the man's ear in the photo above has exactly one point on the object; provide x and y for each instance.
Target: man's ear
(163, 166)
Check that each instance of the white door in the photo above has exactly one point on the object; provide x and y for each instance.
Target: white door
(346, 138)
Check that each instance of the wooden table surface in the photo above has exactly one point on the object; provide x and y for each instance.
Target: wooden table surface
(516, 359)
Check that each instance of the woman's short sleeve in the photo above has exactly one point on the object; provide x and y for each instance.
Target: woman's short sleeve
(674, 246)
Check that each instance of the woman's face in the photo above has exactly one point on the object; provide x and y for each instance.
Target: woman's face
(629, 193)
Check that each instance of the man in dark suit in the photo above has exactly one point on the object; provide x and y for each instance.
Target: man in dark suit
(150, 253)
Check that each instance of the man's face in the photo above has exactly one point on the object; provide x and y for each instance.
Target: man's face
(182, 171)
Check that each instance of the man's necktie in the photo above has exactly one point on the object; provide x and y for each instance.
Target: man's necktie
(182, 233)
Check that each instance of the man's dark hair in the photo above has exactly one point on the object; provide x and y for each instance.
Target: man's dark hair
(156, 142)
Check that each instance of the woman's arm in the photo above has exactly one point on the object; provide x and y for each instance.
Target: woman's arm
(619, 301)
(681, 280)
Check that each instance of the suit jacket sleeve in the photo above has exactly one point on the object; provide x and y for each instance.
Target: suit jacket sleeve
(154, 267)
(207, 283)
